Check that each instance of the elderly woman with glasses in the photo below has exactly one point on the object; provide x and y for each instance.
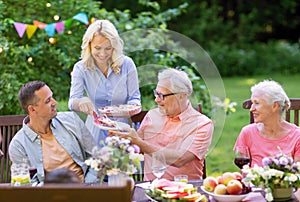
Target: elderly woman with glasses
(175, 129)
(104, 76)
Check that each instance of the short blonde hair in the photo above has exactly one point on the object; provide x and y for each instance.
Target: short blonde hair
(109, 31)
(273, 92)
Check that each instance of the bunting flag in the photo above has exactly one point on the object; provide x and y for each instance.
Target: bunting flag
(20, 27)
(50, 28)
(60, 27)
(39, 24)
(30, 30)
(68, 23)
(81, 17)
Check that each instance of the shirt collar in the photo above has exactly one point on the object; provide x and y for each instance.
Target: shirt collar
(30, 133)
(183, 114)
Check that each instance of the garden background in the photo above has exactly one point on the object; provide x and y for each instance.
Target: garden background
(248, 41)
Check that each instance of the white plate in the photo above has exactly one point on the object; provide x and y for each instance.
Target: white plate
(225, 198)
(119, 126)
(150, 199)
(124, 110)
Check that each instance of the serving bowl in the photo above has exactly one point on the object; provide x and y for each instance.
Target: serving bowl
(225, 198)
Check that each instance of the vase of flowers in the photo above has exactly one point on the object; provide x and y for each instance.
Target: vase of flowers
(117, 159)
(279, 176)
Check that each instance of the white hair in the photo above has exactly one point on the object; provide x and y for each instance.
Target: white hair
(273, 92)
(179, 80)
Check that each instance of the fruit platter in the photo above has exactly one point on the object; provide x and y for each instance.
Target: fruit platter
(164, 190)
(227, 187)
(123, 110)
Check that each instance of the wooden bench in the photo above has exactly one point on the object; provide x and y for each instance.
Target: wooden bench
(9, 125)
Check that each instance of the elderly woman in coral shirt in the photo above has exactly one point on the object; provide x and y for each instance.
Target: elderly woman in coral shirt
(269, 131)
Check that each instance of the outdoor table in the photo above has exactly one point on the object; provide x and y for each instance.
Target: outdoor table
(257, 196)
(140, 196)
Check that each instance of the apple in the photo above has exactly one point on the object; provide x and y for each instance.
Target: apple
(234, 187)
(227, 176)
(220, 179)
(220, 189)
(238, 176)
(210, 183)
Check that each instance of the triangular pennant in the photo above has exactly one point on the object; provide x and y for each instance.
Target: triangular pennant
(50, 29)
(39, 24)
(30, 30)
(68, 23)
(81, 17)
(93, 20)
(20, 27)
(60, 26)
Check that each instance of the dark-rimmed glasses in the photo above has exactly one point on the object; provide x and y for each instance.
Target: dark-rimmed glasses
(162, 96)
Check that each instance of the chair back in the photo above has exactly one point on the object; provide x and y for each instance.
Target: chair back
(9, 125)
(66, 193)
(138, 118)
(291, 115)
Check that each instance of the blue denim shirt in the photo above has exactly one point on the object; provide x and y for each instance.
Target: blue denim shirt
(70, 132)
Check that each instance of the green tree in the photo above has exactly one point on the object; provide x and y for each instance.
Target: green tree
(23, 59)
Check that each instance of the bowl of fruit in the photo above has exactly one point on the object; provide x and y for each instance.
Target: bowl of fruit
(166, 190)
(229, 187)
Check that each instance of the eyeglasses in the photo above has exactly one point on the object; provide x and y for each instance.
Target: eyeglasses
(162, 96)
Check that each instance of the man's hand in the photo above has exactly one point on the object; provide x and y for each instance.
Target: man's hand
(128, 133)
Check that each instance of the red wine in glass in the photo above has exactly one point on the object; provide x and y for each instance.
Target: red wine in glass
(241, 156)
(241, 161)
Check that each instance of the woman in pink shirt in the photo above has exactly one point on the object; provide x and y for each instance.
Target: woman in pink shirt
(269, 130)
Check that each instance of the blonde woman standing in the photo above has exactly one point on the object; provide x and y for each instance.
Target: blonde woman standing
(104, 76)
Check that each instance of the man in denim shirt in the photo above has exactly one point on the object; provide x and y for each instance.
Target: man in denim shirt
(48, 139)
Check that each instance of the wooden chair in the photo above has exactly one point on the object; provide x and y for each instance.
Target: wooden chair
(138, 118)
(9, 125)
(291, 115)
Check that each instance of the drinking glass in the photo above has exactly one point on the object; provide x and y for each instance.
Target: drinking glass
(158, 164)
(242, 156)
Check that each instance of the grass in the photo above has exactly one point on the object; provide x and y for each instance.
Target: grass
(220, 159)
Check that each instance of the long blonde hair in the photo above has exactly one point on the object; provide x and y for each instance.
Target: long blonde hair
(109, 31)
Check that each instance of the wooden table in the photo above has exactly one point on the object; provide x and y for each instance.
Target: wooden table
(258, 196)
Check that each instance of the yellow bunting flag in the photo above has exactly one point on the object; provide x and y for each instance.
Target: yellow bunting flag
(30, 30)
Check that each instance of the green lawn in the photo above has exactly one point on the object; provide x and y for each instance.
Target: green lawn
(220, 159)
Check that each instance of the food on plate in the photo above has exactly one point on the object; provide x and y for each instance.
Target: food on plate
(104, 121)
(210, 183)
(121, 110)
(227, 176)
(234, 187)
(230, 183)
(166, 190)
(238, 176)
(220, 189)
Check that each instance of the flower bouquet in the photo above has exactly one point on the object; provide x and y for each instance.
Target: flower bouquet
(278, 171)
(116, 156)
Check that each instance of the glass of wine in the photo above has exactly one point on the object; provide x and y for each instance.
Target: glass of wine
(241, 156)
(158, 164)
